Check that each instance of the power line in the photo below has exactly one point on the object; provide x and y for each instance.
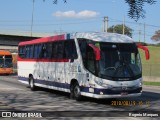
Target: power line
(116, 20)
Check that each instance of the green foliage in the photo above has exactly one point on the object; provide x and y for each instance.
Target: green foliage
(156, 37)
(151, 83)
(119, 29)
(136, 10)
(151, 67)
(154, 55)
(56, 1)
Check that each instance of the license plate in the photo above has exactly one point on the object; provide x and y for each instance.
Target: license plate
(124, 93)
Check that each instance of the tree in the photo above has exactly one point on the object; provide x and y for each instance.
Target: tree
(55, 1)
(156, 37)
(135, 11)
(119, 29)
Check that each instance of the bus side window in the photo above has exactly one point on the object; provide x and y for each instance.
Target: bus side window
(53, 50)
(31, 51)
(27, 52)
(22, 51)
(70, 50)
(47, 50)
(44, 51)
(90, 60)
(58, 50)
(83, 48)
(39, 50)
(35, 51)
(1, 59)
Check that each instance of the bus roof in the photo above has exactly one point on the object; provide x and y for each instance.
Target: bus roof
(4, 52)
(96, 36)
(104, 37)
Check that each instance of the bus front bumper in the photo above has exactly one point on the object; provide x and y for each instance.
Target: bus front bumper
(111, 93)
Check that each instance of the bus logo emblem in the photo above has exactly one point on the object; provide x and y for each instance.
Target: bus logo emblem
(124, 88)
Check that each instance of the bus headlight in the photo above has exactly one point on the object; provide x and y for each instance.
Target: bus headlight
(139, 84)
(99, 82)
(107, 86)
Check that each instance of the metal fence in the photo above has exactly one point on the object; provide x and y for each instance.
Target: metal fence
(151, 72)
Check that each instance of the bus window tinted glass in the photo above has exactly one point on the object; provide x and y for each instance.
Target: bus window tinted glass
(58, 50)
(70, 49)
(8, 60)
(37, 50)
(46, 50)
(29, 51)
(22, 51)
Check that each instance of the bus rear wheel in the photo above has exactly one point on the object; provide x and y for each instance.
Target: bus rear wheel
(31, 83)
(75, 92)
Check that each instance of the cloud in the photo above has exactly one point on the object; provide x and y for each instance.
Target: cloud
(73, 14)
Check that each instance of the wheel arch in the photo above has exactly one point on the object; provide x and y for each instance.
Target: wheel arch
(73, 81)
(30, 75)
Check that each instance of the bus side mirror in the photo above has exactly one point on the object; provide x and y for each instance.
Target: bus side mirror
(146, 51)
(96, 51)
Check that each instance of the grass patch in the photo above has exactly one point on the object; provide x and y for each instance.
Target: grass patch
(154, 55)
(151, 67)
(151, 83)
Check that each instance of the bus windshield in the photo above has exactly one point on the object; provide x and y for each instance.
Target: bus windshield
(119, 60)
(5, 61)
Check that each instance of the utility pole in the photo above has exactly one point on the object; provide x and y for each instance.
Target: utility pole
(139, 32)
(105, 24)
(139, 35)
(124, 26)
(32, 17)
(144, 32)
(113, 28)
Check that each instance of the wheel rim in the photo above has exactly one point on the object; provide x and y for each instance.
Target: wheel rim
(76, 91)
(31, 83)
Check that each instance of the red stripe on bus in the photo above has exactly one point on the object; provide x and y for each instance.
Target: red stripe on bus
(43, 60)
(42, 40)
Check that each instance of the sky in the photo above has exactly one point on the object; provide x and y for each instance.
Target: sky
(74, 16)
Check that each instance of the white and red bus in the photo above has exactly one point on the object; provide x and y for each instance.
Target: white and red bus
(98, 65)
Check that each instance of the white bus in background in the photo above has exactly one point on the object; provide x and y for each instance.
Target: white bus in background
(97, 65)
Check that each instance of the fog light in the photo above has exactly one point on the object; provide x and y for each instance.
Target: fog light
(101, 93)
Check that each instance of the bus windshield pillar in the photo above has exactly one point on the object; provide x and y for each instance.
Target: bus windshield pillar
(96, 51)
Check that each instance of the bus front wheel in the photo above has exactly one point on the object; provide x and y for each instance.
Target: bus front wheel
(75, 91)
(31, 83)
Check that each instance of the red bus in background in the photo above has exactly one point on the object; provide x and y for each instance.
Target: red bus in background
(6, 66)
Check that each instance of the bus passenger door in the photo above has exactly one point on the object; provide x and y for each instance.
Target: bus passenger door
(71, 64)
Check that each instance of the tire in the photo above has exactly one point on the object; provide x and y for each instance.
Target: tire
(71, 91)
(75, 92)
(31, 84)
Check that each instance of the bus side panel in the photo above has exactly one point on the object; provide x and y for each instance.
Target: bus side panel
(24, 69)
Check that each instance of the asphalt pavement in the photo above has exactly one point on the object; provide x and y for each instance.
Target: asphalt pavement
(150, 88)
